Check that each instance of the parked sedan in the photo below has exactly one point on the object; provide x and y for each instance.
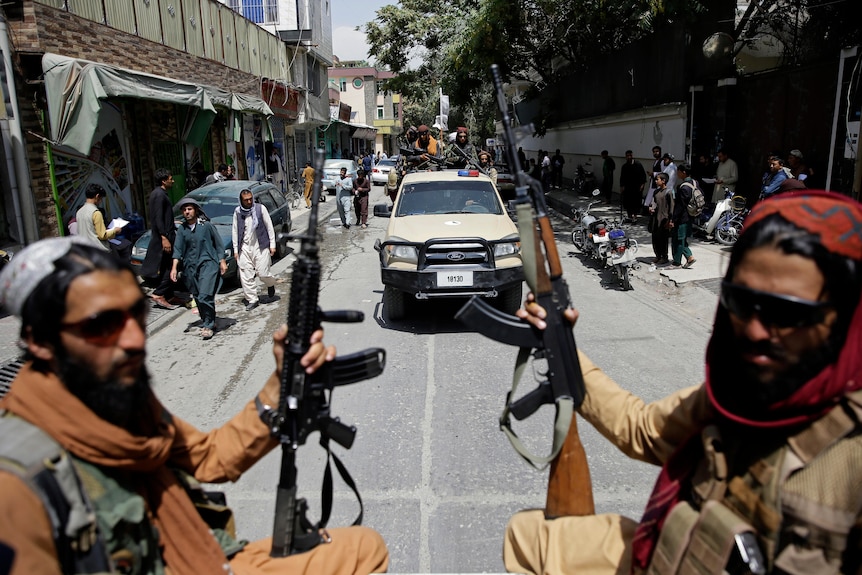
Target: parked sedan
(380, 171)
(218, 201)
(331, 171)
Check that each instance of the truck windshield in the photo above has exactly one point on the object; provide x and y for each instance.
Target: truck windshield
(455, 197)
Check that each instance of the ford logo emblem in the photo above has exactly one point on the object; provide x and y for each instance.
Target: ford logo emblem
(455, 256)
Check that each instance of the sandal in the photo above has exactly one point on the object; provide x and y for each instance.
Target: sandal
(689, 262)
(206, 333)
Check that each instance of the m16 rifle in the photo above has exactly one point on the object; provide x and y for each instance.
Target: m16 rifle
(569, 485)
(304, 400)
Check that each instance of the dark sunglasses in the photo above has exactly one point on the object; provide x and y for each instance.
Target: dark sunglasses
(772, 309)
(423, 133)
(105, 326)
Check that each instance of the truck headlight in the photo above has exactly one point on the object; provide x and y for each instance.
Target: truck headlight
(507, 249)
(400, 253)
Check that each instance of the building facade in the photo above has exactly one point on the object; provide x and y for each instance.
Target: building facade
(108, 92)
(375, 113)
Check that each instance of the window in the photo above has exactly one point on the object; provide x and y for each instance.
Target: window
(379, 112)
(342, 85)
(258, 11)
(313, 78)
(357, 83)
(379, 86)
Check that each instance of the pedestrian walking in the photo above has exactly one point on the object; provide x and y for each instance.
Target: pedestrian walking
(163, 232)
(661, 212)
(680, 228)
(344, 197)
(199, 247)
(254, 245)
(361, 189)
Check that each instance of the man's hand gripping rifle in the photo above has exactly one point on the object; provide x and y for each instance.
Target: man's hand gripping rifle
(569, 486)
(303, 406)
(419, 158)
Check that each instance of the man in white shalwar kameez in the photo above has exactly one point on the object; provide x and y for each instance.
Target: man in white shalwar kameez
(254, 245)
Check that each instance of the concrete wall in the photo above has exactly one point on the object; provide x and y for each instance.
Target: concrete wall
(581, 142)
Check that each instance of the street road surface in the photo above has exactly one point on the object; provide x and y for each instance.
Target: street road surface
(437, 477)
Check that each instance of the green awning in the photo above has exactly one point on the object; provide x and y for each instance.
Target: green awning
(75, 89)
(238, 102)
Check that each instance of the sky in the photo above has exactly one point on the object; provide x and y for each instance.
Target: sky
(347, 43)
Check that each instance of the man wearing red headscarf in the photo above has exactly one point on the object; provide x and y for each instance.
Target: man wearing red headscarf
(762, 463)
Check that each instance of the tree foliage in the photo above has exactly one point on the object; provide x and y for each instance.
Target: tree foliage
(450, 45)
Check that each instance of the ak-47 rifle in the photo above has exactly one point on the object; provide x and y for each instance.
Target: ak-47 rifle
(569, 485)
(303, 405)
(411, 154)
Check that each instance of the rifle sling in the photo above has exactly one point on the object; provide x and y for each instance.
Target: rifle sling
(326, 490)
(562, 421)
(266, 414)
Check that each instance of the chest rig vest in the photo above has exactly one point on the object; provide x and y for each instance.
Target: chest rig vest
(99, 523)
(798, 498)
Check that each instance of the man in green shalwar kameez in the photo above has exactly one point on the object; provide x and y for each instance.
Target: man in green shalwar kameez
(199, 247)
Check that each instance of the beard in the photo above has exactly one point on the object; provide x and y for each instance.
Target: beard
(121, 404)
(750, 391)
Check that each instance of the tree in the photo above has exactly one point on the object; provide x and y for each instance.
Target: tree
(456, 42)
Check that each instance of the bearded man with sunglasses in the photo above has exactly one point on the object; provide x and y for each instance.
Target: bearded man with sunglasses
(96, 475)
(762, 463)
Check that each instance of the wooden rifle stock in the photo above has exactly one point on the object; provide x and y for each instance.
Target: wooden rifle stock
(570, 488)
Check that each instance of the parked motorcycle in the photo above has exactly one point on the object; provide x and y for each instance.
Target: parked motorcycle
(620, 254)
(590, 232)
(722, 221)
(604, 242)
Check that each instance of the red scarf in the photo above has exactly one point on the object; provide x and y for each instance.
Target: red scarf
(838, 221)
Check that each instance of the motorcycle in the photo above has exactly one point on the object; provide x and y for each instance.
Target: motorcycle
(604, 242)
(722, 221)
(590, 232)
(620, 254)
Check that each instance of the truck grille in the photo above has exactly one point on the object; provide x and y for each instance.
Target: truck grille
(457, 253)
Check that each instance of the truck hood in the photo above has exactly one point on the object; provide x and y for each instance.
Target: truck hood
(423, 227)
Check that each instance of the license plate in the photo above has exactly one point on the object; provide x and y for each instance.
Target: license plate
(454, 279)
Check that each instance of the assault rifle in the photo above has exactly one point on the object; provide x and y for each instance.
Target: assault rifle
(569, 485)
(413, 157)
(303, 405)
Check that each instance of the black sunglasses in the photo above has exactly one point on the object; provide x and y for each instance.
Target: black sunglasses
(103, 327)
(772, 309)
(425, 133)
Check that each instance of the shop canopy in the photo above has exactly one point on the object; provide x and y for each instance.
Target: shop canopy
(363, 131)
(76, 88)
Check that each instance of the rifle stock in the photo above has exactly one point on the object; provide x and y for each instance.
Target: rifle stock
(569, 483)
